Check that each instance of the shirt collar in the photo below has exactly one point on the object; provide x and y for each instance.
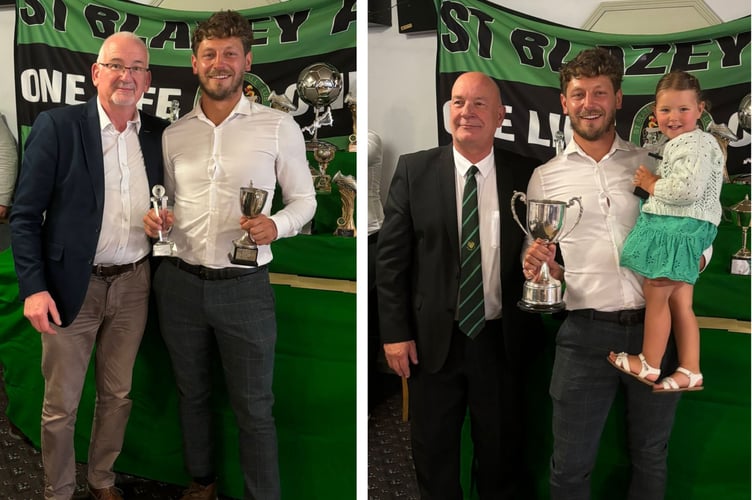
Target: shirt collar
(105, 123)
(618, 144)
(242, 107)
(462, 164)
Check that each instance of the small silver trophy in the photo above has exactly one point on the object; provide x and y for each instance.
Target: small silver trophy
(545, 220)
(323, 153)
(245, 250)
(347, 190)
(739, 214)
(560, 142)
(163, 247)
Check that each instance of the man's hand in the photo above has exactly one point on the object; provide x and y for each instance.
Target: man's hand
(538, 253)
(399, 355)
(261, 228)
(153, 223)
(36, 309)
(3, 212)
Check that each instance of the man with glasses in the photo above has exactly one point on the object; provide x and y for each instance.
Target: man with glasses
(81, 257)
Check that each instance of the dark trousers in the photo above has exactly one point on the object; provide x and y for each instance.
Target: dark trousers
(474, 377)
(237, 315)
(583, 388)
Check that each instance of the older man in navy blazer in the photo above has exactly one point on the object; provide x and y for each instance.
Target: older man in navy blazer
(81, 256)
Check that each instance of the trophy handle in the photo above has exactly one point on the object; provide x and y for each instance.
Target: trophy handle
(579, 216)
(518, 194)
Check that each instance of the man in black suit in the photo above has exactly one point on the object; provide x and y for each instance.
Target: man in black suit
(418, 280)
(81, 256)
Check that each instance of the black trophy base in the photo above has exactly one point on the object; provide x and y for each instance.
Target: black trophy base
(346, 233)
(244, 256)
(541, 308)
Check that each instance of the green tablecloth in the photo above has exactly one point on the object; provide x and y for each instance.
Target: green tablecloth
(314, 380)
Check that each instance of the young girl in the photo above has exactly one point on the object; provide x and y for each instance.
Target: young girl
(675, 225)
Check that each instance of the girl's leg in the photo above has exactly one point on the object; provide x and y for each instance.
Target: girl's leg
(686, 331)
(657, 326)
(658, 316)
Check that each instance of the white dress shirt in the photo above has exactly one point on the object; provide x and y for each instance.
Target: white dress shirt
(126, 194)
(207, 164)
(490, 233)
(594, 279)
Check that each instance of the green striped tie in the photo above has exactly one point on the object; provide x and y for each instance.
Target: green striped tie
(472, 312)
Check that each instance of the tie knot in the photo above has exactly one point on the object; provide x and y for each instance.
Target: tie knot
(471, 171)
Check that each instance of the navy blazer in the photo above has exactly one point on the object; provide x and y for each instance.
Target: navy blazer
(418, 262)
(58, 205)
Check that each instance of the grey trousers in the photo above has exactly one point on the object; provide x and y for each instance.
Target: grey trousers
(113, 317)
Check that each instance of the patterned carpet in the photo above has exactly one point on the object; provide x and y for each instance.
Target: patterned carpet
(390, 468)
(22, 474)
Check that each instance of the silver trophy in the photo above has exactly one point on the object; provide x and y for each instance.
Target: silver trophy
(163, 247)
(323, 153)
(245, 250)
(545, 221)
(739, 214)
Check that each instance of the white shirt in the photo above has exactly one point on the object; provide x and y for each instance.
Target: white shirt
(206, 165)
(126, 194)
(488, 219)
(594, 279)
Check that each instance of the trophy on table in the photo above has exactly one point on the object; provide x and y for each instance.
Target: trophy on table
(163, 247)
(318, 86)
(174, 110)
(740, 216)
(281, 102)
(559, 142)
(352, 103)
(545, 221)
(245, 250)
(347, 190)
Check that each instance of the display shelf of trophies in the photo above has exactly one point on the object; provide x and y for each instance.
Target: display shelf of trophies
(326, 247)
(723, 290)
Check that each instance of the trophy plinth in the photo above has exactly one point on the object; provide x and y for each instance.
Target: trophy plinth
(740, 215)
(245, 251)
(163, 247)
(545, 221)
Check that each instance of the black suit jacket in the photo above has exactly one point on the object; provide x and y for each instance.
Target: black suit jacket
(418, 262)
(59, 201)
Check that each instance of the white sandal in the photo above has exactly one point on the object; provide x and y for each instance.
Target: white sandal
(621, 363)
(669, 384)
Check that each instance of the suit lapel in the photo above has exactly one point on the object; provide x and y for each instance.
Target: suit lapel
(91, 138)
(150, 150)
(447, 196)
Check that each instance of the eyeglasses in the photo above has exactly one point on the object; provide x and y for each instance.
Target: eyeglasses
(120, 68)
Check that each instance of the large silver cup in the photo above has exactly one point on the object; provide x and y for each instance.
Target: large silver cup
(545, 220)
(245, 250)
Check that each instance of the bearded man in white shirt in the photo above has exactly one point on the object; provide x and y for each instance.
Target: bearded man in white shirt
(222, 144)
(605, 303)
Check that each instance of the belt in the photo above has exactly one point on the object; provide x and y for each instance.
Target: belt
(109, 271)
(207, 273)
(626, 317)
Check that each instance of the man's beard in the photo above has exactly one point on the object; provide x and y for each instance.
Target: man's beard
(591, 134)
(222, 93)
